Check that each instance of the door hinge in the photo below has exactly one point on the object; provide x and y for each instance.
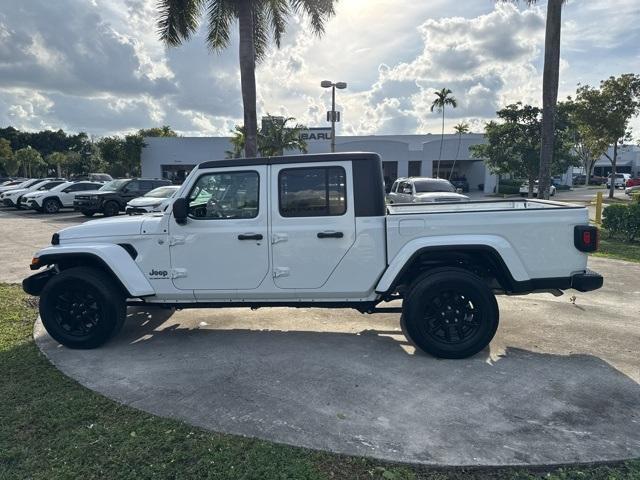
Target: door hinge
(280, 272)
(178, 272)
(176, 240)
(279, 237)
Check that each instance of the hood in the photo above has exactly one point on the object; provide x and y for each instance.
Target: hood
(108, 227)
(35, 194)
(440, 197)
(15, 191)
(146, 202)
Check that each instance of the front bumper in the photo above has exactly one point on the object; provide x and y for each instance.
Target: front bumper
(587, 281)
(86, 204)
(34, 284)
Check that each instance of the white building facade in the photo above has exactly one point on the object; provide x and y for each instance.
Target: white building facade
(402, 155)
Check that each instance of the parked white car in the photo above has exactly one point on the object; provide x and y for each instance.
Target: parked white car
(12, 198)
(620, 181)
(524, 189)
(424, 190)
(152, 201)
(313, 231)
(60, 196)
(15, 185)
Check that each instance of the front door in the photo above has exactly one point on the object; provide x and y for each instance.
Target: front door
(313, 223)
(224, 244)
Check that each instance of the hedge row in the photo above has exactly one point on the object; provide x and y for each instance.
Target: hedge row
(622, 220)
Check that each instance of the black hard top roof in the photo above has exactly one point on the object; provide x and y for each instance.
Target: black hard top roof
(301, 158)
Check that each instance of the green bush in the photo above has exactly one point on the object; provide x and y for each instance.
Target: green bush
(623, 220)
(511, 182)
(508, 189)
(635, 198)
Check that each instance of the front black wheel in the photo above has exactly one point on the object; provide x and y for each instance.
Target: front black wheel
(88, 213)
(111, 208)
(51, 205)
(82, 307)
(450, 313)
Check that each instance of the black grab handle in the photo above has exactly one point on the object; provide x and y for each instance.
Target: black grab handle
(330, 235)
(250, 236)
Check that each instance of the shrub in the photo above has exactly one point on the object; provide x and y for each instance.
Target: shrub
(622, 220)
(508, 189)
(511, 182)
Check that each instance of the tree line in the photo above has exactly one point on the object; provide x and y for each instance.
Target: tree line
(48, 152)
(592, 124)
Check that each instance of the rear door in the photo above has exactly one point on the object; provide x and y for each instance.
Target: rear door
(312, 222)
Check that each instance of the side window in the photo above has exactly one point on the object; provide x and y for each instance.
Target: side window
(133, 186)
(145, 185)
(312, 192)
(74, 188)
(226, 195)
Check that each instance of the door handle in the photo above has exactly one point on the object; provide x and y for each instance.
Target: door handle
(250, 236)
(330, 235)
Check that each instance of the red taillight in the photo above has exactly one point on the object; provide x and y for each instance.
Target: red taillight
(585, 238)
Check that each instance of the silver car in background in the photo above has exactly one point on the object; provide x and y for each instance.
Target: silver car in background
(424, 190)
(152, 201)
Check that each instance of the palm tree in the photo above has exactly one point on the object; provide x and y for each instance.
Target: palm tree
(258, 22)
(443, 98)
(275, 137)
(460, 130)
(550, 80)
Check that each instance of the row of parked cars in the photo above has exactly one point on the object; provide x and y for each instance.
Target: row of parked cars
(90, 195)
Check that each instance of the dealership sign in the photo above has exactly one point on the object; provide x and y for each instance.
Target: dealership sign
(321, 134)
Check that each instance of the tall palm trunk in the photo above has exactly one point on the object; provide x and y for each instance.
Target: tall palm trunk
(441, 142)
(248, 76)
(457, 153)
(549, 92)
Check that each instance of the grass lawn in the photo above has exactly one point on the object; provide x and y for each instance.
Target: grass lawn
(620, 249)
(51, 428)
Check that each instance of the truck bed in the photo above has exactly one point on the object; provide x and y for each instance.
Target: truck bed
(477, 206)
(534, 237)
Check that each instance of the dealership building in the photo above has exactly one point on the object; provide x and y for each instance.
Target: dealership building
(402, 155)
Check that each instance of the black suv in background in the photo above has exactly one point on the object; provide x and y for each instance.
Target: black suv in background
(112, 198)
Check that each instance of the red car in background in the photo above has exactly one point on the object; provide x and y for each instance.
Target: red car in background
(633, 182)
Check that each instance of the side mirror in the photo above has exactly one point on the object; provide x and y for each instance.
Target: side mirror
(181, 210)
(458, 190)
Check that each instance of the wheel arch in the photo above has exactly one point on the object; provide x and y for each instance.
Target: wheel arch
(115, 260)
(495, 261)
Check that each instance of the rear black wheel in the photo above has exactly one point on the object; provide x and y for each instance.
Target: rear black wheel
(82, 307)
(111, 208)
(51, 205)
(450, 313)
(88, 213)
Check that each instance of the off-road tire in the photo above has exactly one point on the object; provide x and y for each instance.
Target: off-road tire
(449, 313)
(82, 307)
(88, 213)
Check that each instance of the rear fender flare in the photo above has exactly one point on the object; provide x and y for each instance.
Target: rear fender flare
(502, 248)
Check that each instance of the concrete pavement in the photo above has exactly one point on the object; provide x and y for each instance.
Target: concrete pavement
(559, 384)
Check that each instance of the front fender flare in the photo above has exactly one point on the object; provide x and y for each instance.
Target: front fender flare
(504, 249)
(112, 257)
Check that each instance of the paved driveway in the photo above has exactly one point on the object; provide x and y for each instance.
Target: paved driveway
(560, 382)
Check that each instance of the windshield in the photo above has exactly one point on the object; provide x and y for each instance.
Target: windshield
(425, 186)
(162, 192)
(29, 183)
(113, 185)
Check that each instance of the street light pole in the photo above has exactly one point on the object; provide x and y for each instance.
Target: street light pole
(333, 116)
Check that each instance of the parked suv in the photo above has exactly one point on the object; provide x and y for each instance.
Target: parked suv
(620, 181)
(12, 198)
(112, 198)
(60, 196)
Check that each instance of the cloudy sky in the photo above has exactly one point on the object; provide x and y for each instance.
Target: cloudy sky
(97, 66)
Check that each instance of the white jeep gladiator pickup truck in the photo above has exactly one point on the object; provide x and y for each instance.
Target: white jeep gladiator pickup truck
(313, 230)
